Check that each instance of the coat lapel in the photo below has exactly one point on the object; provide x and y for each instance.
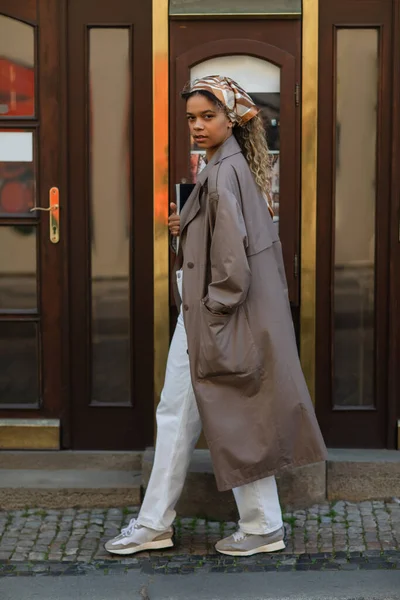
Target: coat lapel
(192, 205)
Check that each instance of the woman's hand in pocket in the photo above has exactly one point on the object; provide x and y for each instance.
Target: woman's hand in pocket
(174, 221)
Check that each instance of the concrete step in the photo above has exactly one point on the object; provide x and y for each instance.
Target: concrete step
(353, 475)
(358, 475)
(69, 479)
(68, 489)
(104, 479)
(71, 459)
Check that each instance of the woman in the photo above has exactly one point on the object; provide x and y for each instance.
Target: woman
(237, 371)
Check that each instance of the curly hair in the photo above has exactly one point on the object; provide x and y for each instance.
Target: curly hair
(251, 139)
(253, 143)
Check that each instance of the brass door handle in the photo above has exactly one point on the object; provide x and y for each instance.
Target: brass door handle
(54, 210)
(45, 209)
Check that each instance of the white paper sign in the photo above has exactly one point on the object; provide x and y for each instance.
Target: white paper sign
(16, 146)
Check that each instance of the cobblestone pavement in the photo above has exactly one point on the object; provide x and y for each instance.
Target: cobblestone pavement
(340, 535)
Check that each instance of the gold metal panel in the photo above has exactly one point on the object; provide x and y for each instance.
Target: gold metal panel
(160, 192)
(309, 191)
(29, 434)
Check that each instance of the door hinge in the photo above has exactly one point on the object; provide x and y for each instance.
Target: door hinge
(297, 94)
(399, 226)
(296, 266)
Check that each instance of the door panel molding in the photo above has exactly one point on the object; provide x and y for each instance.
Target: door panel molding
(23, 11)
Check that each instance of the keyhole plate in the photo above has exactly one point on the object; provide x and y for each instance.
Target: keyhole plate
(54, 215)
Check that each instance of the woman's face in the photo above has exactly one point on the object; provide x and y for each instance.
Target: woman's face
(208, 123)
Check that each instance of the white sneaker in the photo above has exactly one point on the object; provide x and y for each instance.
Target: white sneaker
(136, 538)
(246, 544)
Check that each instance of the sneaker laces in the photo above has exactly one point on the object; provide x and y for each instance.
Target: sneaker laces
(239, 535)
(127, 531)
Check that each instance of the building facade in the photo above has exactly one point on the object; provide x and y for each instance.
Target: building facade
(93, 140)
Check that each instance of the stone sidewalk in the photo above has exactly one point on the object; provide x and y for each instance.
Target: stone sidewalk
(341, 534)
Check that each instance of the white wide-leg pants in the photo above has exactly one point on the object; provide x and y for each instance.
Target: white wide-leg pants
(178, 429)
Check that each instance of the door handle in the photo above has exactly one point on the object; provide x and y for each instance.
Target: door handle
(54, 210)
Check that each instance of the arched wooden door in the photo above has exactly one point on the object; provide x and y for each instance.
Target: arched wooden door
(264, 57)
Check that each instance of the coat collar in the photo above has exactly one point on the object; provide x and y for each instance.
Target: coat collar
(228, 148)
(192, 206)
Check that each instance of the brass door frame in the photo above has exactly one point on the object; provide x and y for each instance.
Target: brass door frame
(308, 235)
(160, 192)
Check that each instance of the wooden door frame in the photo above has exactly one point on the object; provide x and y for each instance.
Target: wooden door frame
(393, 433)
(139, 415)
(66, 414)
(348, 13)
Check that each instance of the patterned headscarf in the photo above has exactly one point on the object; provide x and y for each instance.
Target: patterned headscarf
(241, 107)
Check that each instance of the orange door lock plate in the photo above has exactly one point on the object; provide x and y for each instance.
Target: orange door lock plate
(54, 220)
(54, 213)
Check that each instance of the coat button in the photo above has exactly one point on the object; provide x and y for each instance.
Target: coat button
(190, 265)
(185, 307)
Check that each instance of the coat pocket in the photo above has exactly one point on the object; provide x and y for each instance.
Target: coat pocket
(227, 350)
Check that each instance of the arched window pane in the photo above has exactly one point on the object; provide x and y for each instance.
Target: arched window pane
(262, 80)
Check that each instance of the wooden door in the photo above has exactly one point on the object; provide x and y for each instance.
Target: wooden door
(32, 374)
(111, 226)
(354, 406)
(265, 58)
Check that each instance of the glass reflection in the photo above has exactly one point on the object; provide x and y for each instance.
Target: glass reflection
(17, 68)
(18, 287)
(110, 198)
(19, 360)
(270, 107)
(261, 80)
(355, 203)
(17, 173)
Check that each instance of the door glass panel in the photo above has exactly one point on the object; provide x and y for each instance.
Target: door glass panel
(110, 197)
(17, 173)
(19, 360)
(355, 205)
(234, 7)
(18, 287)
(261, 80)
(17, 68)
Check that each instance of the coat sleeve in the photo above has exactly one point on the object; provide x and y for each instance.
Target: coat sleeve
(230, 272)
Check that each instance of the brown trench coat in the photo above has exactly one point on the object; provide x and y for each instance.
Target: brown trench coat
(256, 411)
